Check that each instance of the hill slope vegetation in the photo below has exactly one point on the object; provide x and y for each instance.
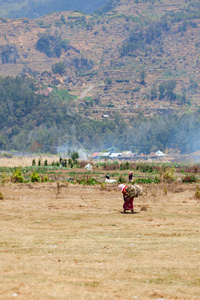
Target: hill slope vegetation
(137, 63)
(32, 120)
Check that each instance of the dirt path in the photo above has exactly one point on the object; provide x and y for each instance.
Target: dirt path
(86, 92)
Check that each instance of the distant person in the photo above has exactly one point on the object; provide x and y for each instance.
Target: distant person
(130, 176)
(108, 180)
(129, 192)
(128, 200)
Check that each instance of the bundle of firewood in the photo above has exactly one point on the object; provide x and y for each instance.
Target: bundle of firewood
(133, 191)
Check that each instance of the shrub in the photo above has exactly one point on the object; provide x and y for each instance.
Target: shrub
(52, 46)
(147, 180)
(1, 196)
(189, 178)
(43, 44)
(122, 80)
(165, 190)
(88, 181)
(124, 166)
(103, 187)
(7, 155)
(137, 89)
(156, 179)
(144, 168)
(45, 178)
(169, 175)
(74, 156)
(92, 181)
(58, 68)
(17, 176)
(3, 177)
(121, 179)
(197, 193)
(153, 93)
(35, 177)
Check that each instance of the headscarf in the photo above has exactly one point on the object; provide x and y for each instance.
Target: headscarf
(121, 187)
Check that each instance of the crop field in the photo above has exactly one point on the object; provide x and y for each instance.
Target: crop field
(66, 240)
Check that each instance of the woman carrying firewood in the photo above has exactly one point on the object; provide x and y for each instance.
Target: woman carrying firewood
(129, 192)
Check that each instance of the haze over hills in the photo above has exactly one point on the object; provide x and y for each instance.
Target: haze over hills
(34, 8)
(134, 59)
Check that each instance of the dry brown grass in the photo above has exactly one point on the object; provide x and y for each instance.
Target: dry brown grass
(21, 161)
(77, 245)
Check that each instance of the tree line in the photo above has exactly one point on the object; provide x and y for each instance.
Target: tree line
(28, 118)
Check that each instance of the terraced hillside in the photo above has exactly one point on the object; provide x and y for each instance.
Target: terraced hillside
(139, 58)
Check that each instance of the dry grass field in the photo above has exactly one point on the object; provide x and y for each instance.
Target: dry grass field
(22, 161)
(74, 243)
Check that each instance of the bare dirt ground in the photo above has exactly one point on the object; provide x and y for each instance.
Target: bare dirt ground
(74, 243)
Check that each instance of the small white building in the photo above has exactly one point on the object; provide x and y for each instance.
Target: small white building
(104, 154)
(115, 155)
(160, 153)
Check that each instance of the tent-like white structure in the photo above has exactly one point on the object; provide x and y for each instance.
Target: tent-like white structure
(88, 167)
(160, 153)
